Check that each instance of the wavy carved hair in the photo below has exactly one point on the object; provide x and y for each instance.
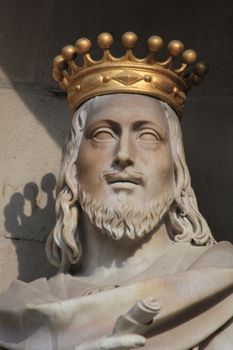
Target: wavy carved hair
(184, 221)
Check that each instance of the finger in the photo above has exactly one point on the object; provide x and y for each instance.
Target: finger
(122, 342)
(126, 341)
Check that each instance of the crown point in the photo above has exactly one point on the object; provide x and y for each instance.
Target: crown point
(129, 39)
(59, 62)
(175, 47)
(189, 56)
(69, 52)
(201, 69)
(57, 74)
(83, 45)
(155, 43)
(64, 84)
(105, 40)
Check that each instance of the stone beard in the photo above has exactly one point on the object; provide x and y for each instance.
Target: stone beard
(125, 218)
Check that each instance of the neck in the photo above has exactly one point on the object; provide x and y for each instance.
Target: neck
(104, 259)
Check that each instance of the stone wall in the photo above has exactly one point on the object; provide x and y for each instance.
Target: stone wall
(34, 114)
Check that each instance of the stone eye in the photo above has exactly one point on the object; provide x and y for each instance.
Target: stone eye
(103, 135)
(149, 136)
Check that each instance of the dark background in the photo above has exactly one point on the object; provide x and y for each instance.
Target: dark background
(33, 32)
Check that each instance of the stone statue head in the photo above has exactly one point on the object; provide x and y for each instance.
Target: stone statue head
(123, 166)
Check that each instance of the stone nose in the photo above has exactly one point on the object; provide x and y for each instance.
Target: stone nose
(125, 152)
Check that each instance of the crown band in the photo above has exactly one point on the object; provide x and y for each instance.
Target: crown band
(127, 74)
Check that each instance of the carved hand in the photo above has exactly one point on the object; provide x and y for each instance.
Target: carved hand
(114, 342)
(127, 329)
(137, 320)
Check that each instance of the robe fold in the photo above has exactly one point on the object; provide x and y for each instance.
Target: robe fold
(193, 286)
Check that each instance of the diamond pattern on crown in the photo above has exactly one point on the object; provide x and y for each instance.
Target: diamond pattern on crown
(127, 78)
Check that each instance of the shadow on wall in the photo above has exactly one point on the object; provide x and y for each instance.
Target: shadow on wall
(28, 232)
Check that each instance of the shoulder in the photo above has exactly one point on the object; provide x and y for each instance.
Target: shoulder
(218, 255)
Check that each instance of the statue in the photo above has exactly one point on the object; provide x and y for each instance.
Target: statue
(146, 270)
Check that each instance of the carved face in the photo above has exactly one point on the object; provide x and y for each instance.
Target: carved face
(125, 150)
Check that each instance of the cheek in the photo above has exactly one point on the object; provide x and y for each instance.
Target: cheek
(162, 170)
(91, 162)
(86, 164)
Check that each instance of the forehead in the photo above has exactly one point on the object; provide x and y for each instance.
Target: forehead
(126, 109)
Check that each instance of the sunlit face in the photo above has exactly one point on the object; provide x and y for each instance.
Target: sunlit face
(125, 150)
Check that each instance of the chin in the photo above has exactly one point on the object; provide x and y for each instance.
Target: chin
(119, 217)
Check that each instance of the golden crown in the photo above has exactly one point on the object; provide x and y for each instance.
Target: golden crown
(128, 74)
